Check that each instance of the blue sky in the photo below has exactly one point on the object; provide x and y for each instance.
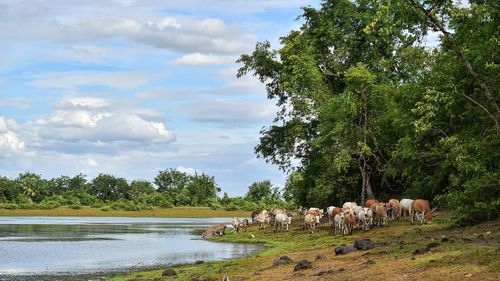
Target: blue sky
(133, 87)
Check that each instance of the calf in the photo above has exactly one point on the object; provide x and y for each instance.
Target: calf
(310, 222)
(245, 224)
(318, 213)
(422, 207)
(236, 225)
(339, 223)
(369, 215)
(332, 212)
(363, 219)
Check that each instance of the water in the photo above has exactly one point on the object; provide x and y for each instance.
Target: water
(35, 246)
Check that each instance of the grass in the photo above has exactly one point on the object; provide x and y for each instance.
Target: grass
(471, 254)
(177, 212)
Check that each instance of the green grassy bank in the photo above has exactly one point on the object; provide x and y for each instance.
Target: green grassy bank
(177, 212)
(471, 253)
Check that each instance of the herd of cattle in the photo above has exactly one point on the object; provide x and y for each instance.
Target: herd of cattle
(343, 220)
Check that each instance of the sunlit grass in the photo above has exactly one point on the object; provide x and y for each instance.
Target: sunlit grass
(178, 212)
(464, 257)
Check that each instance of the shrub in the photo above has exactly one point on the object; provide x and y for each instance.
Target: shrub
(124, 205)
(10, 206)
(105, 208)
(48, 205)
(75, 206)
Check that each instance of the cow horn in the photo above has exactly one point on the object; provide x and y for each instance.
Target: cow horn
(433, 210)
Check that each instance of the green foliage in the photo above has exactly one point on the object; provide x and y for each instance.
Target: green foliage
(363, 104)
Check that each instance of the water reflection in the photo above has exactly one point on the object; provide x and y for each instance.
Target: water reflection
(48, 245)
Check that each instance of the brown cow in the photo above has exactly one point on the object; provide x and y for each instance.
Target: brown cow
(370, 202)
(379, 213)
(253, 215)
(218, 229)
(422, 207)
(245, 224)
(350, 221)
(395, 209)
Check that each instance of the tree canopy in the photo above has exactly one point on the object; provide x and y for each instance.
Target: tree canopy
(369, 110)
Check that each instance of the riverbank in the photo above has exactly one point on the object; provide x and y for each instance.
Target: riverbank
(177, 212)
(470, 253)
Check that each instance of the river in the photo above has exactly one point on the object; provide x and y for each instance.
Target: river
(55, 247)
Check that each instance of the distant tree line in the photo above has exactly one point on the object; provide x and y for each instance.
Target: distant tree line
(170, 188)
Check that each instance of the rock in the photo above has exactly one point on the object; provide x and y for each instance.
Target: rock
(445, 239)
(282, 260)
(303, 264)
(330, 271)
(420, 251)
(342, 250)
(199, 262)
(169, 272)
(364, 244)
(432, 245)
(320, 257)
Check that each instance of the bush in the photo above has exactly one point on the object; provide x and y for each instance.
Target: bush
(97, 205)
(144, 207)
(48, 205)
(75, 206)
(105, 208)
(10, 206)
(124, 205)
(476, 201)
(231, 207)
(27, 206)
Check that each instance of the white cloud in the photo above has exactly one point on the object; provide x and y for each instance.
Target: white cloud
(89, 123)
(9, 140)
(74, 79)
(196, 59)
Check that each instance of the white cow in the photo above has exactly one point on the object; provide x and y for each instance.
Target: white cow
(261, 219)
(349, 206)
(310, 222)
(406, 206)
(339, 223)
(236, 225)
(369, 215)
(282, 220)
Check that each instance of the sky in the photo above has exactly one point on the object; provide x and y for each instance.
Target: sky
(129, 87)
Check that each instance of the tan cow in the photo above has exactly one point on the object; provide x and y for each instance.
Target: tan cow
(379, 213)
(395, 209)
(423, 208)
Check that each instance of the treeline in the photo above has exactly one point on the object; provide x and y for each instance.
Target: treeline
(370, 111)
(170, 188)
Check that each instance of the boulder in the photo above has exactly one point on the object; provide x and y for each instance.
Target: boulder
(303, 264)
(432, 245)
(169, 272)
(364, 244)
(282, 260)
(420, 251)
(342, 250)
